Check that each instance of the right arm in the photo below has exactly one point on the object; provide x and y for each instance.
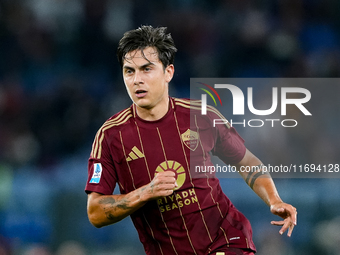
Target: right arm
(104, 210)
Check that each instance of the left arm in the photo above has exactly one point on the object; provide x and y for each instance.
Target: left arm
(262, 184)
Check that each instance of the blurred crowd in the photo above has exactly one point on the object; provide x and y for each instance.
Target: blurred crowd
(59, 75)
(60, 80)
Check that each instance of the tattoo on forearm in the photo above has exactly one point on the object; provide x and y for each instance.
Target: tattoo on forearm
(255, 173)
(253, 179)
(248, 177)
(107, 201)
(110, 205)
(110, 216)
(152, 186)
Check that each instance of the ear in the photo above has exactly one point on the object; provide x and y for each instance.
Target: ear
(169, 72)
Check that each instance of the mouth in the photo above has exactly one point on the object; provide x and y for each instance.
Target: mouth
(140, 93)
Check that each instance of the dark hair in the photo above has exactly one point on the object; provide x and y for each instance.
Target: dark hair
(147, 36)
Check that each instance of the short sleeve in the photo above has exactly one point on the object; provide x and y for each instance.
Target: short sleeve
(102, 176)
(229, 145)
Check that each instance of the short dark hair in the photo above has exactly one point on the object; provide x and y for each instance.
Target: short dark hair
(147, 36)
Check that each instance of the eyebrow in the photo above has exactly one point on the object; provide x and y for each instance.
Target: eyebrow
(140, 67)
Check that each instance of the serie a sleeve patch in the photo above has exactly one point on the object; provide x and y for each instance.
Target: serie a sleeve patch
(97, 173)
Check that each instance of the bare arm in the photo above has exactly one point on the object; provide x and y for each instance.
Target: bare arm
(262, 184)
(104, 210)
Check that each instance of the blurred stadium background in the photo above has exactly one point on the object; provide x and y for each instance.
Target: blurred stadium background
(60, 80)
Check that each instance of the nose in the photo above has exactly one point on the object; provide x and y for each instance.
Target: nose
(137, 78)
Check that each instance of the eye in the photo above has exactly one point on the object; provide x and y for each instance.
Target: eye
(147, 69)
(128, 71)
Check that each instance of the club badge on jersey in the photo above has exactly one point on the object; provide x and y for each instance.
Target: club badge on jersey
(190, 139)
(97, 173)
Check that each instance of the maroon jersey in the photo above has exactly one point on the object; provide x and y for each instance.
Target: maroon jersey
(197, 218)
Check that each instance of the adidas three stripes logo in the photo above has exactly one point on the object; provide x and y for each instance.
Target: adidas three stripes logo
(135, 154)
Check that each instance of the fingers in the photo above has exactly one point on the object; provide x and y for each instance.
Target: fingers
(286, 224)
(290, 230)
(167, 177)
(163, 184)
(294, 216)
(289, 214)
(163, 193)
(277, 223)
(279, 210)
(166, 173)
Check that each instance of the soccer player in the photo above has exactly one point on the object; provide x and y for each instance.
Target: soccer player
(147, 148)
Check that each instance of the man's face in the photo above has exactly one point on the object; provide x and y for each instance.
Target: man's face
(145, 78)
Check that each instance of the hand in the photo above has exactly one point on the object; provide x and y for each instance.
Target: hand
(288, 213)
(163, 184)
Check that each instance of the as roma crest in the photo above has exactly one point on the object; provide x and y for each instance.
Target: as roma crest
(190, 139)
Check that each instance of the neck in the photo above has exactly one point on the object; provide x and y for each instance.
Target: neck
(155, 113)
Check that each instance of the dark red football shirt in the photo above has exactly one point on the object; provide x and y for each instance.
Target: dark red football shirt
(197, 218)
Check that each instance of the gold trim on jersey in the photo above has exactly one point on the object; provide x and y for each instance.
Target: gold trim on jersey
(186, 105)
(180, 211)
(130, 171)
(168, 231)
(141, 154)
(196, 105)
(161, 141)
(134, 110)
(141, 144)
(123, 117)
(152, 234)
(225, 236)
(204, 160)
(192, 184)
